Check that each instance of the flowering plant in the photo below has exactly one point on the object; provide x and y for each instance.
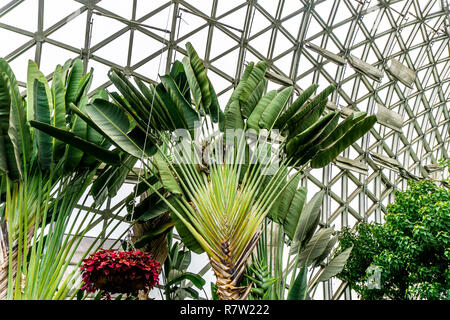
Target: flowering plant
(116, 271)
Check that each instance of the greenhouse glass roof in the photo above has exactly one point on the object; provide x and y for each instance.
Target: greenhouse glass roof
(385, 57)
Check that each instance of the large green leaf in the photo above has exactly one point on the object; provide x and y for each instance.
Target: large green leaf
(167, 178)
(83, 88)
(308, 120)
(190, 115)
(299, 289)
(294, 213)
(342, 129)
(335, 266)
(295, 106)
(299, 142)
(73, 81)
(132, 102)
(310, 149)
(238, 90)
(196, 75)
(324, 156)
(263, 103)
(59, 109)
(281, 207)
(158, 230)
(42, 114)
(33, 74)
(7, 156)
(114, 124)
(273, 110)
(253, 88)
(175, 115)
(196, 280)
(233, 117)
(111, 179)
(308, 221)
(215, 112)
(79, 129)
(102, 154)
(154, 210)
(307, 111)
(326, 252)
(315, 247)
(18, 130)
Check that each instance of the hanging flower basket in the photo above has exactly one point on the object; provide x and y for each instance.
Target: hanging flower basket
(114, 271)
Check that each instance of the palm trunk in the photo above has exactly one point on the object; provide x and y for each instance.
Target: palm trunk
(229, 274)
(4, 262)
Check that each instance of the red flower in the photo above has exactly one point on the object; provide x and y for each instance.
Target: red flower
(116, 271)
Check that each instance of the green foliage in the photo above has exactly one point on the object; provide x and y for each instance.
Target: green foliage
(297, 246)
(412, 247)
(42, 179)
(176, 278)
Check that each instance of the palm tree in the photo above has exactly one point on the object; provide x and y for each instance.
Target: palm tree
(219, 207)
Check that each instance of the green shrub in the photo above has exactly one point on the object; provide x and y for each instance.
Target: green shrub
(411, 249)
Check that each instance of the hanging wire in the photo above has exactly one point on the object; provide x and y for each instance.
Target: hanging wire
(129, 235)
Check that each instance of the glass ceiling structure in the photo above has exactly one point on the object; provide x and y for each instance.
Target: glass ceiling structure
(385, 57)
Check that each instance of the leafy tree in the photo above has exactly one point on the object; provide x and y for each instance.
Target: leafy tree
(411, 249)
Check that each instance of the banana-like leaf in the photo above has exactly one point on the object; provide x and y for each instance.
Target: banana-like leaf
(133, 102)
(280, 209)
(326, 252)
(263, 103)
(196, 280)
(83, 88)
(68, 137)
(324, 156)
(308, 221)
(114, 124)
(190, 115)
(299, 289)
(335, 266)
(33, 74)
(155, 210)
(298, 143)
(295, 106)
(8, 158)
(155, 232)
(311, 148)
(253, 89)
(273, 110)
(42, 114)
(18, 130)
(59, 109)
(111, 179)
(196, 75)
(73, 81)
(215, 112)
(238, 90)
(301, 115)
(294, 213)
(342, 128)
(308, 120)
(167, 178)
(79, 129)
(315, 247)
(183, 260)
(233, 116)
(164, 99)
